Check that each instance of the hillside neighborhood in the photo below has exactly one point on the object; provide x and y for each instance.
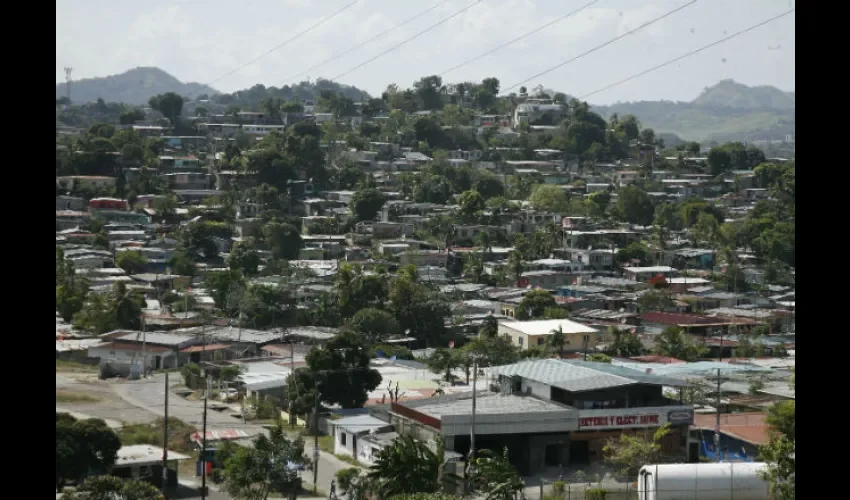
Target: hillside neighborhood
(444, 289)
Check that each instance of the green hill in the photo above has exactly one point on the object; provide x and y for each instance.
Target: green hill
(727, 111)
(134, 87)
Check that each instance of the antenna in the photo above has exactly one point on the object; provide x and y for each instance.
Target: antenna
(68, 71)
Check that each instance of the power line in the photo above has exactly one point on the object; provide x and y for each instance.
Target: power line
(521, 37)
(278, 46)
(693, 52)
(439, 23)
(352, 49)
(609, 42)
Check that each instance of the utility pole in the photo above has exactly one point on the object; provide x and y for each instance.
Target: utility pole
(717, 422)
(204, 438)
(165, 440)
(316, 441)
(471, 458)
(68, 71)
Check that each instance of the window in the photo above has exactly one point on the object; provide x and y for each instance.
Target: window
(342, 438)
(540, 340)
(519, 339)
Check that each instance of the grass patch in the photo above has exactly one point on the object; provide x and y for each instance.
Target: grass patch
(179, 433)
(63, 396)
(63, 365)
(326, 444)
(350, 460)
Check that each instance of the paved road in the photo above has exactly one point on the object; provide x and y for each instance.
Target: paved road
(149, 394)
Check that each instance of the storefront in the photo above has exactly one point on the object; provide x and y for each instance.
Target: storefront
(596, 427)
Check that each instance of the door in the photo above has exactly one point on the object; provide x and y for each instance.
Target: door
(553, 455)
(693, 452)
(579, 453)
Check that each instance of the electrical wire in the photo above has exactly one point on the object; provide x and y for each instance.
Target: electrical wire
(280, 45)
(521, 37)
(426, 30)
(603, 45)
(379, 35)
(693, 52)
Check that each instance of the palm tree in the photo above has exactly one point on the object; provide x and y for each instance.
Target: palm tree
(515, 264)
(409, 466)
(558, 340)
(495, 475)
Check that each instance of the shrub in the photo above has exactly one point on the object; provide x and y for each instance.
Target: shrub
(559, 487)
(595, 494)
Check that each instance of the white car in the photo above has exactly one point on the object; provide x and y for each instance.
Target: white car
(228, 395)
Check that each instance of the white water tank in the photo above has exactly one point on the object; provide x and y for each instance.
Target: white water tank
(720, 481)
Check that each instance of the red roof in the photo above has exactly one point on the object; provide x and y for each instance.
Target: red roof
(749, 427)
(665, 318)
(656, 359)
(121, 346)
(202, 348)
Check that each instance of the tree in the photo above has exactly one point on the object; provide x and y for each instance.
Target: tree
(496, 477)
(598, 357)
(444, 361)
(165, 206)
(115, 488)
(515, 265)
(631, 452)
(244, 259)
(343, 368)
(366, 203)
(169, 104)
(534, 304)
(83, 446)
(470, 203)
(549, 198)
(674, 343)
(419, 309)
(493, 351)
(626, 344)
(634, 206)
(118, 309)
(780, 451)
(375, 324)
(634, 251)
(408, 466)
(131, 116)
(268, 466)
(489, 327)
(283, 240)
(131, 261)
(558, 340)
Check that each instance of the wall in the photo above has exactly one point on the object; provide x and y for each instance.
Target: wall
(536, 389)
(340, 448)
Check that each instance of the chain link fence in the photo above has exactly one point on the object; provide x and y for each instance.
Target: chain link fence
(579, 487)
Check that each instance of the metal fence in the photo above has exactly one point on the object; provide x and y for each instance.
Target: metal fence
(577, 488)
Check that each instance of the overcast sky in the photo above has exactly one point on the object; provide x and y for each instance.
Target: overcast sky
(202, 40)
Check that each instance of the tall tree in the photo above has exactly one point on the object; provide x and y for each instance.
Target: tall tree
(343, 367)
(283, 240)
(496, 477)
(268, 466)
(780, 451)
(83, 446)
(366, 203)
(408, 466)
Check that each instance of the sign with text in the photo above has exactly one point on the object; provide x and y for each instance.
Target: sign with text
(620, 421)
(627, 418)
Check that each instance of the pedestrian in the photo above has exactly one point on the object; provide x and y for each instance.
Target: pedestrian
(332, 494)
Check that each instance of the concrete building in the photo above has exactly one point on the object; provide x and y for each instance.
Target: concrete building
(528, 334)
(550, 412)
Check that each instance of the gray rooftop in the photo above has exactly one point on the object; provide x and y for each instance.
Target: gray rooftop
(578, 376)
(360, 423)
(487, 403)
(156, 338)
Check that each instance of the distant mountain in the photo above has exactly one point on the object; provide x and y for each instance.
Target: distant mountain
(135, 87)
(736, 95)
(727, 111)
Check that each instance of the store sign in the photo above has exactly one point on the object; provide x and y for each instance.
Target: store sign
(634, 418)
(620, 421)
(680, 417)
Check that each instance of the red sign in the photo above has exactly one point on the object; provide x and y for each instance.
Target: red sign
(619, 421)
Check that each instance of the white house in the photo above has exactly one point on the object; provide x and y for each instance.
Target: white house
(349, 431)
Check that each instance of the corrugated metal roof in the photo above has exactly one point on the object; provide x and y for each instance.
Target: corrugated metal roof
(578, 376)
(359, 423)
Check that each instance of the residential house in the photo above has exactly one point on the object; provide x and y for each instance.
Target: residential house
(528, 334)
(349, 432)
(129, 351)
(71, 203)
(91, 182)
